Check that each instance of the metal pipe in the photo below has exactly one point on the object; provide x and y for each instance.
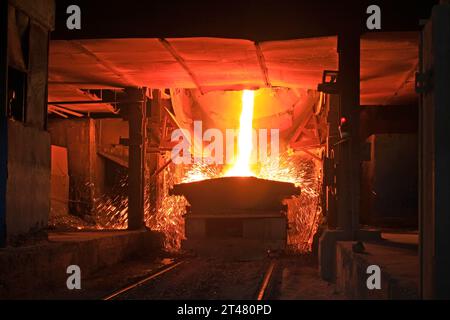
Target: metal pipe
(59, 113)
(64, 110)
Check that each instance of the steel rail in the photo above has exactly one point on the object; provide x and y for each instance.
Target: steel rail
(266, 281)
(146, 279)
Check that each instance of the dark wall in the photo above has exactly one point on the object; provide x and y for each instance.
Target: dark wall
(28, 187)
(24, 141)
(388, 119)
(390, 181)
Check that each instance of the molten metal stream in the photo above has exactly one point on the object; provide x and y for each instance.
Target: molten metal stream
(241, 167)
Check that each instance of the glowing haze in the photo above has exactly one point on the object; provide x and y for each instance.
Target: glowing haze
(241, 167)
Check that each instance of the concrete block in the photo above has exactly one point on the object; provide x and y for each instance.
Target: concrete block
(327, 248)
(327, 253)
(399, 271)
(42, 267)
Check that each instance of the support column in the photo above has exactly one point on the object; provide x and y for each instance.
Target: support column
(3, 119)
(350, 150)
(330, 162)
(155, 142)
(441, 48)
(434, 146)
(348, 158)
(136, 125)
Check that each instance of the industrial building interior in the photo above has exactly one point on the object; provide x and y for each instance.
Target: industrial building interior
(355, 121)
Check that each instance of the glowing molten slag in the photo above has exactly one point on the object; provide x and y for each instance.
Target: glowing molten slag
(241, 166)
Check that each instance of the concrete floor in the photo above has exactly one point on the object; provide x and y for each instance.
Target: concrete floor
(110, 261)
(107, 280)
(294, 278)
(297, 278)
(201, 278)
(410, 239)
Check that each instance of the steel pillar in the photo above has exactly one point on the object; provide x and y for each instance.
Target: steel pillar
(136, 154)
(330, 162)
(347, 152)
(434, 159)
(153, 161)
(3, 118)
(350, 149)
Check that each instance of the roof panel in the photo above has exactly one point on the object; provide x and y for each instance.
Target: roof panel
(388, 61)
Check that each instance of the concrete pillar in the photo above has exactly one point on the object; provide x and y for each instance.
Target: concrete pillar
(136, 123)
(3, 119)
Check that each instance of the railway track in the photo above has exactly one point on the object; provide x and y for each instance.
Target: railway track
(147, 279)
(261, 294)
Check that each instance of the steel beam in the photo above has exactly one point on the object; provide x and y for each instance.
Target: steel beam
(123, 77)
(166, 44)
(64, 111)
(262, 65)
(300, 129)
